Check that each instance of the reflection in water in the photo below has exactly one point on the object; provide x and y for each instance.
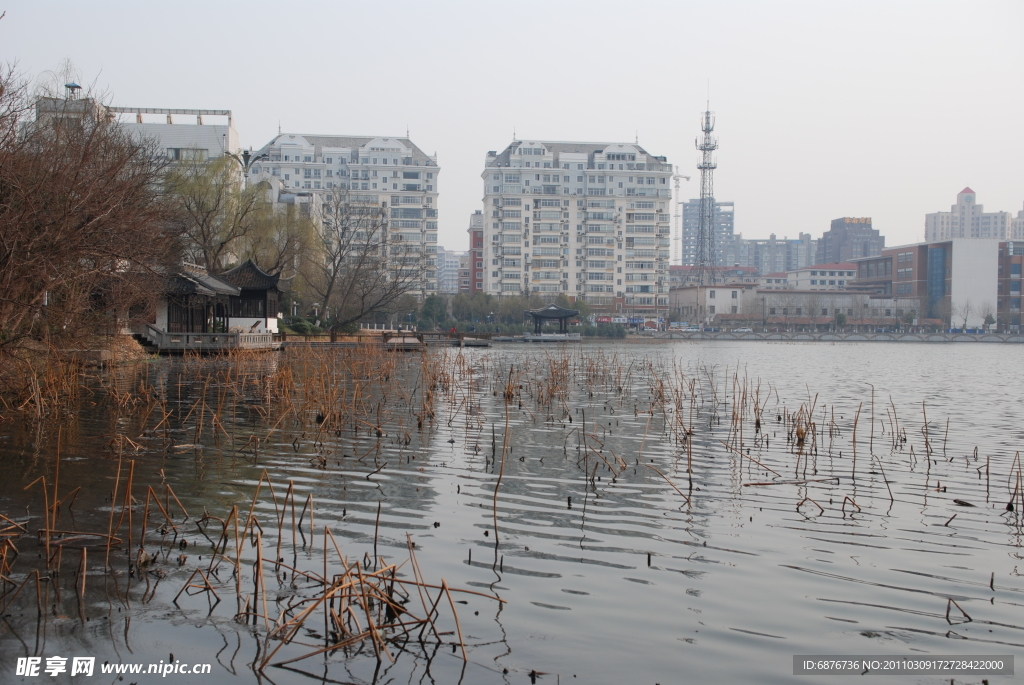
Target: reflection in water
(641, 509)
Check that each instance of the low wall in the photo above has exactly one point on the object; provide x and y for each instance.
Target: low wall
(848, 337)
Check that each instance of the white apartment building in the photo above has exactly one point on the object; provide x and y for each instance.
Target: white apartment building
(966, 219)
(389, 173)
(590, 220)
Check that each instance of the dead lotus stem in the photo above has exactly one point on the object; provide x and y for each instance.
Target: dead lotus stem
(455, 614)
(747, 456)
(808, 499)
(681, 494)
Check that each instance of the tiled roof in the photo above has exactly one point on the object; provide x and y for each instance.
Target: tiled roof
(589, 149)
(248, 276)
(352, 142)
(187, 282)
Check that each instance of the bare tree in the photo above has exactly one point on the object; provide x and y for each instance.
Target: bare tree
(943, 308)
(357, 267)
(815, 302)
(963, 310)
(84, 236)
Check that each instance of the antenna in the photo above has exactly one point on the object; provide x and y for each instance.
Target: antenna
(706, 258)
(278, 127)
(636, 136)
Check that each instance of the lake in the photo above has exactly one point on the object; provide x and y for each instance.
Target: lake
(614, 563)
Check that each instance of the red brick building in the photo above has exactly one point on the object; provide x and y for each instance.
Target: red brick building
(476, 253)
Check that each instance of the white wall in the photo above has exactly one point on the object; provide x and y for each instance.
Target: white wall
(975, 280)
(161, 314)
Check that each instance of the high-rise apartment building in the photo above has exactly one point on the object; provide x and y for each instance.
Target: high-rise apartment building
(724, 225)
(373, 173)
(967, 219)
(849, 238)
(772, 255)
(588, 220)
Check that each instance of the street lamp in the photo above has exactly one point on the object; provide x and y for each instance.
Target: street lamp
(246, 160)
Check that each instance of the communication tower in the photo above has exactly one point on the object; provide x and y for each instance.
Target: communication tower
(705, 262)
(703, 271)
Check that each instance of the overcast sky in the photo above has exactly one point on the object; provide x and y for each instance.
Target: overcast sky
(824, 109)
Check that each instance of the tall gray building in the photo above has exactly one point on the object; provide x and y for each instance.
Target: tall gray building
(849, 238)
(771, 255)
(724, 224)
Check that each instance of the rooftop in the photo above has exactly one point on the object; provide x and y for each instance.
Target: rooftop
(834, 265)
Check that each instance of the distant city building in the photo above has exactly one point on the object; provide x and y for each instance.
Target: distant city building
(775, 281)
(1018, 226)
(736, 305)
(849, 238)
(465, 272)
(956, 280)
(448, 270)
(769, 255)
(375, 173)
(588, 220)
(724, 223)
(476, 253)
(815, 277)
(1011, 262)
(967, 219)
(723, 274)
(822, 276)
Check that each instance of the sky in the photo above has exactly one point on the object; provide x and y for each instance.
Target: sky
(824, 109)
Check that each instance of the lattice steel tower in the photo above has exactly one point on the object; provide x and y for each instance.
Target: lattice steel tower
(704, 265)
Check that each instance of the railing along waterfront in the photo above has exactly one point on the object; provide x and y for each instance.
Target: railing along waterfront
(830, 336)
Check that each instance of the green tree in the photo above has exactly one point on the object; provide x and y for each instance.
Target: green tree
(472, 308)
(433, 310)
(214, 213)
(280, 239)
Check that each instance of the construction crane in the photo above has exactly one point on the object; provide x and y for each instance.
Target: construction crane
(677, 217)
